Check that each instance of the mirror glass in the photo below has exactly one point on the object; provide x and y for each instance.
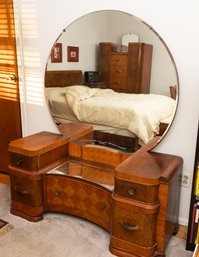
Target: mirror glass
(118, 55)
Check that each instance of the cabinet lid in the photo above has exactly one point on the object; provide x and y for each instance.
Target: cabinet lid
(149, 168)
(37, 144)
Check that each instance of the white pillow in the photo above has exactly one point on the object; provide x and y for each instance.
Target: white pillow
(78, 92)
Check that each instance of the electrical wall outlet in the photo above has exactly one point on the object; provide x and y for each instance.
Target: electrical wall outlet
(186, 180)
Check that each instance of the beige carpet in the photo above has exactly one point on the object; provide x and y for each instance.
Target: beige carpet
(59, 235)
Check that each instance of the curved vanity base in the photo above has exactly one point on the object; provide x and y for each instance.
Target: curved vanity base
(135, 197)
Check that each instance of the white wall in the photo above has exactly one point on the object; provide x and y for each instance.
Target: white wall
(40, 22)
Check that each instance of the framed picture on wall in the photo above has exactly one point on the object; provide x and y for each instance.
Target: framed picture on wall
(73, 53)
(56, 55)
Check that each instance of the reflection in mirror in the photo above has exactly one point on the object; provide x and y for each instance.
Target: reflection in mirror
(110, 69)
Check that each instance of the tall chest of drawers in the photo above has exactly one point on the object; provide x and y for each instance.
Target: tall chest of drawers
(126, 70)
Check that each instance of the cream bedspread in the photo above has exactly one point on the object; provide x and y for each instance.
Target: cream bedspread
(139, 113)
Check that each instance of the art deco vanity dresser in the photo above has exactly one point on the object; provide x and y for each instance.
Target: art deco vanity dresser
(134, 196)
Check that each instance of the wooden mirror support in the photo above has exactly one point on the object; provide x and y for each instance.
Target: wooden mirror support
(134, 196)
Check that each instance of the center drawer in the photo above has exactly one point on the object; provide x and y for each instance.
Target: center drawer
(78, 197)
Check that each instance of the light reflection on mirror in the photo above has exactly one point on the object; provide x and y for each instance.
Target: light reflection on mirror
(88, 31)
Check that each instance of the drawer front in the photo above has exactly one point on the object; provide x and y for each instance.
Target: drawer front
(143, 193)
(77, 197)
(119, 59)
(118, 74)
(118, 80)
(118, 86)
(27, 191)
(36, 162)
(133, 224)
(23, 162)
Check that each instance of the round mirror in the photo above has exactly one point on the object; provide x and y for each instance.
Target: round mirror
(112, 70)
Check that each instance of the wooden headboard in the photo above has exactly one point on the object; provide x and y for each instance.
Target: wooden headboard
(63, 78)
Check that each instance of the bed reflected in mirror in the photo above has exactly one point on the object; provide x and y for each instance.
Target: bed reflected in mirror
(113, 71)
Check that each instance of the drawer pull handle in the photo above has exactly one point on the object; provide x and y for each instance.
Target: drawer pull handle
(102, 205)
(18, 162)
(21, 191)
(132, 191)
(57, 194)
(129, 228)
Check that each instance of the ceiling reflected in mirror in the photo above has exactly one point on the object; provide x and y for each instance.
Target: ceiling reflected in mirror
(86, 53)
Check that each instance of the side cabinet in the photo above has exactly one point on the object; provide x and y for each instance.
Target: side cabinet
(30, 158)
(145, 204)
